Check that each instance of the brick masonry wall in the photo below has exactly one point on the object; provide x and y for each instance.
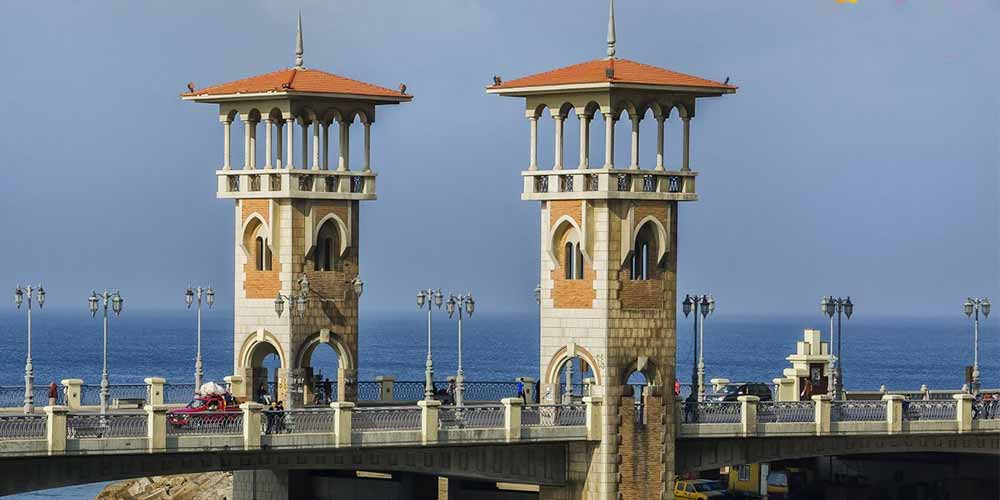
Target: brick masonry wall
(258, 284)
(641, 469)
(569, 293)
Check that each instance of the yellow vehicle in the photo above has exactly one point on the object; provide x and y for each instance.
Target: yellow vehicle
(698, 489)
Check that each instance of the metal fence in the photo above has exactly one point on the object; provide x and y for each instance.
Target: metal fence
(471, 417)
(858, 411)
(112, 425)
(553, 415)
(489, 391)
(408, 391)
(22, 427)
(386, 419)
(786, 411)
(930, 410)
(178, 393)
(986, 410)
(12, 396)
(712, 413)
(298, 421)
(222, 422)
(369, 391)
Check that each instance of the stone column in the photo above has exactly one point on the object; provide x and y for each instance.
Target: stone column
(251, 425)
(368, 147)
(823, 404)
(290, 125)
(344, 164)
(593, 409)
(687, 144)
(268, 140)
(609, 140)
(72, 388)
(342, 423)
(963, 411)
(227, 126)
(385, 387)
(154, 390)
(326, 146)
(247, 143)
(305, 144)
(156, 428)
(584, 140)
(278, 149)
(56, 428)
(533, 164)
(347, 384)
(316, 144)
(429, 420)
(748, 414)
(558, 162)
(252, 125)
(635, 142)
(660, 125)
(512, 418)
(894, 412)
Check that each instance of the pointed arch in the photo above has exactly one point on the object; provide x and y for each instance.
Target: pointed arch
(343, 233)
(256, 346)
(564, 355)
(556, 232)
(660, 233)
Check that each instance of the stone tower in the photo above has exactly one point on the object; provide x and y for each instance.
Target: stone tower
(296, 218)
(609, 263)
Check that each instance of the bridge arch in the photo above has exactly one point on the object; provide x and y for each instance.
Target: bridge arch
(255, 350)
(558, 366)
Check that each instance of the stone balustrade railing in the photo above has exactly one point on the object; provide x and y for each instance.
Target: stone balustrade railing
(60, 431)
(609, 183)
(296, 183)
(893, 414)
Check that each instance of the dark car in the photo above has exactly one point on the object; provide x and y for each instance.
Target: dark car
(734, 391)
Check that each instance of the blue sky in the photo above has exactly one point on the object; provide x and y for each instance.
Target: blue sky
(859, 157)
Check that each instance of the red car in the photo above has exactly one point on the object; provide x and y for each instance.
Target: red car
(209, 407)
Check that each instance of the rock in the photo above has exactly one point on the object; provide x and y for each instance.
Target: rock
(205, 486)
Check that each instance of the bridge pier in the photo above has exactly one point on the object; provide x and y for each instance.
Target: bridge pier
(283, 484)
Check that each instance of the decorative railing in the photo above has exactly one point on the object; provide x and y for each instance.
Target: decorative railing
(858, 411)
(112, 425)
(593, 182)
(542, 184)
(12, 396)
(624, 182)
(233, 183)
(986, 410)
(305, 182)
(786, 411)
(712, 413)
(553, 415)
(565, 183)
(930, 410)
(408, 391)
(178, 393)
(673, 184)
(649, 183)
(274, 182)
(298, 421)
(386, 419)
(489, 391)
(369, 391)
(254, 182)
(221, 422)
(90, 395)
(22, 427)
(471, 417)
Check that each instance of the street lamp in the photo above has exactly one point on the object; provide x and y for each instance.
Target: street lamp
(189, 298)
(974, 305)
(703, 305)
(432, 298)
(458, 302)
(29, 373)
(839, 307)
(94, 302)
(299, 302)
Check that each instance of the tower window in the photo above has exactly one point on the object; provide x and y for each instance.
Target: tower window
(578, 263)
(325, 254)
(259, 254)
(644, 254)
(568, 261)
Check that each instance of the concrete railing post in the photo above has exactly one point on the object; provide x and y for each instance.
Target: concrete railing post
(72, 388)
(963, 411)
(237, 387)
(894, 412)
(342, 423)
(154, 390)
(592, 405)
(385, 386)
(748, 414)
(529, 389)
(512, 418)
(56, 428)
(252, 425)
(156, 428)
(429, 420)
(824, 404)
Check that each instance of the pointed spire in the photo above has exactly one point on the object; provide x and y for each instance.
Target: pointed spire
(611, 31)
(298, 45)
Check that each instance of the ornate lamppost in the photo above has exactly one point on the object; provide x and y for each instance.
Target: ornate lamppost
(974, 305)
(432, 298)
(840, 307)
(189, 298)
(300, 302)
(705, 305)
(29, 373)
(116, 301)
(458, 302)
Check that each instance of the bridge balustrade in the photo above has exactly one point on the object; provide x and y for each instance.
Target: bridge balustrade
(399, 418)
(930, 410)
(553, 415)
(207, 423)
(309, 421)
(786, 411)
(112, 425)
(471, 417)
(22, 426)
(712, 412)
(858, 411)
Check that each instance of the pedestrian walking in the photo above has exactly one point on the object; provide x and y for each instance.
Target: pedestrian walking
(53, 393)
(328, 390)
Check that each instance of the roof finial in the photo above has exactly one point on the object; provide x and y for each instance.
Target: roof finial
(611, 31)
(298, 44)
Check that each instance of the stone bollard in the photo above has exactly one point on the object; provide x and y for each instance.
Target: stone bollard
(56, 428)
(530, 397)
(156, 428)
(386, 384)
(252, 425)
(429, 420)
(237, 387)
(72, 390)
(592, 405)
(512, 418)
(824, 404)
(342, 423)
(894, 412)
(748, 414)
(963, 411)
(154, 390)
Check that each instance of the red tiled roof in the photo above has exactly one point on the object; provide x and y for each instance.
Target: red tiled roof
(625, 71)
(298, 80)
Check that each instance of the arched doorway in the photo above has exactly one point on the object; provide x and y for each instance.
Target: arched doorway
(637, 387)
(575, 376)
(264, 373)
(327, 366)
